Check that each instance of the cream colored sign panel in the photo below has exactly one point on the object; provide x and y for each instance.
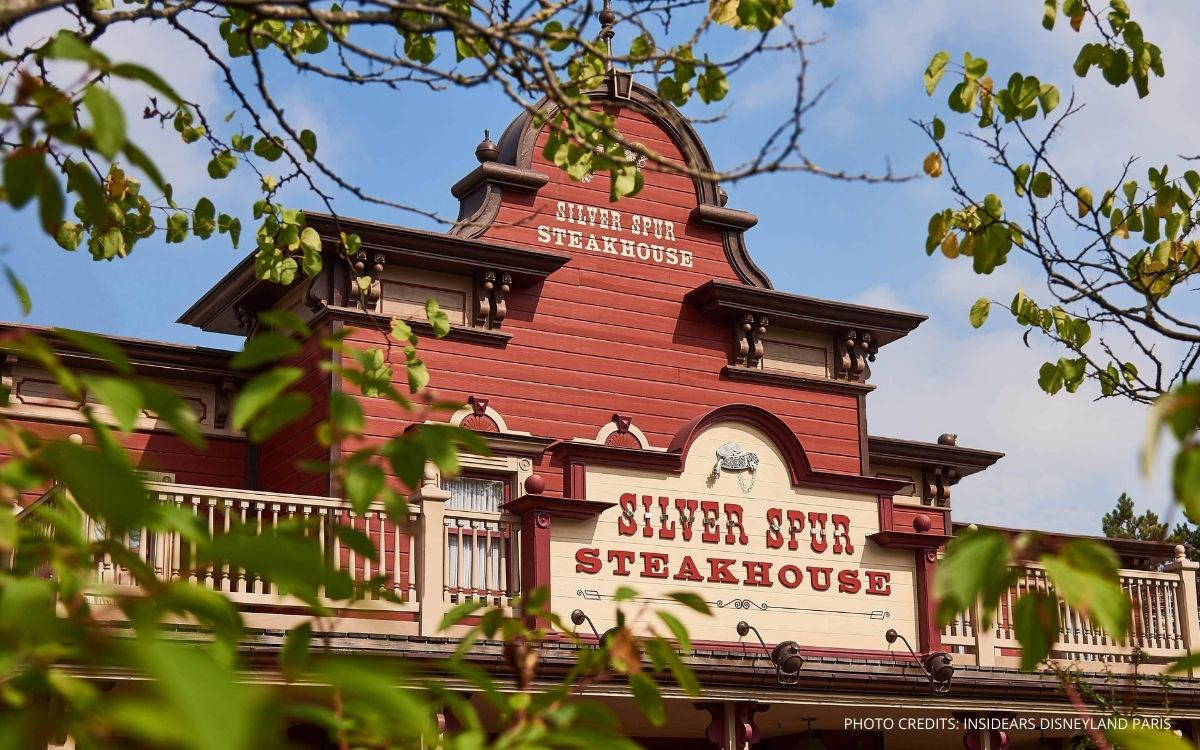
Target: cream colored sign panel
(795, 563)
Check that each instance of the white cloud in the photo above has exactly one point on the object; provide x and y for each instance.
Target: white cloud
(1067, 456)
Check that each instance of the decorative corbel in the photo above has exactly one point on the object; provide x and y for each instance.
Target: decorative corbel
(491, 289)
(368, 299)
(855, 348)
(748, 339)
(247, 319)
(938, 482)
(225, 393)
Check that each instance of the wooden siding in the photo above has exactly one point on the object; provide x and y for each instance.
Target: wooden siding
(280, 455)
(222, 463)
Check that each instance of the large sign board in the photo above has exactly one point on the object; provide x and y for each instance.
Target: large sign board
(794, 562)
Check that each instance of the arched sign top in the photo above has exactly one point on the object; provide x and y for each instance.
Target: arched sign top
(785, 441)
(675, 229)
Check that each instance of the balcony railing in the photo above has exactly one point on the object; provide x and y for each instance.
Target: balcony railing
(1163, 628)
(430, 561)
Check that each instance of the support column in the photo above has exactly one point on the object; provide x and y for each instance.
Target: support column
(985, 638)
(431, 538)
(929, 635)
(1189, 615)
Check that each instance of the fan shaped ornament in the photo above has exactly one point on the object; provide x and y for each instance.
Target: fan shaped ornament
(731, 458)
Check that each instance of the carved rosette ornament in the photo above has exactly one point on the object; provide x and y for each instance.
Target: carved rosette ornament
(748, 339)
(478, 420)
(623, 438)
(369, 296)
(491, 291)
(855, 348)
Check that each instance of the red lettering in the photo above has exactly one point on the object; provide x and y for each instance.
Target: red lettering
(647, 529)
(688, 570)
(818, 578)
(795, 526)
(790, 576)
(709, 512)
(733, 520)
(654, 565)
(587, 560)
(622, 559)
(841, 535)
(687, 516)
(626, 526)
(758, 574)
(774, 526)
(879, 583)
(719, 570)
(665, 531)
(848, 582)
(816, 528)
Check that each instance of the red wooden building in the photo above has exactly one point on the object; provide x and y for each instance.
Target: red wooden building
(659, 416)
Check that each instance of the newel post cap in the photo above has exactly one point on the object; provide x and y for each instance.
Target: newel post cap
(1181, 561)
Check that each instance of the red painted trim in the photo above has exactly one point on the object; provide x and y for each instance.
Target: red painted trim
(929, 635)
(561, 507)
(800, 469)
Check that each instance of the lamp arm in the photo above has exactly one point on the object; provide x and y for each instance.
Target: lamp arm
(743, 627)
(916, 659)
(578, 617)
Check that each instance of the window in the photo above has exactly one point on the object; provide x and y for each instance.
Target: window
(480, 546)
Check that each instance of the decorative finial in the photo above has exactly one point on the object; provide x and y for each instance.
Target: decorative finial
(607, 19)
(947, 438)
(1180, 552)
(620, 82)
(486, 150)
(722, 196)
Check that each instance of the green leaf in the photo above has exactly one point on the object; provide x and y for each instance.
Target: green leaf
(678, 630)
(308, 141)
(935, 70)
(221, 165)
(712, 85)
(19, 290)
(108, 120)
(294, 654)
(691, 601)
(939, 129)
(260, 391)
(1185, 480)
(102, 482)
(1049, 97)
(1085, 576)
(418, 375)
(177, 227)
(1037, 624)
(67, 46)
(1049, 14)
(345, 413)
(459, 613)
(363, 483)
(264, 348)
(979, 311)
(121, 396)
(136, 72)
(1042, 184)
(976, 568)
(437, 318)
(310, 245)
(647, 696)
(204, 218)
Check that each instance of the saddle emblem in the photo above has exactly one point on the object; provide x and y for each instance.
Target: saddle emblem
(731, 458)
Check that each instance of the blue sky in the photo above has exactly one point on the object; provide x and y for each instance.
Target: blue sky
(1068, 457)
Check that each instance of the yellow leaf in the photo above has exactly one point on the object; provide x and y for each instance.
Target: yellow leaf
(1085, 201)
(1077, 21)
(950, 246)
(933, 165)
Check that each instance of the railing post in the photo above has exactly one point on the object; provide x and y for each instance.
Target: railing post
(431, 572)
(985, 638)
(1189, 604)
